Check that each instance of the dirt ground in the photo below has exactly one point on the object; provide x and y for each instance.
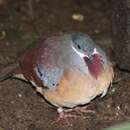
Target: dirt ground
(21, 23)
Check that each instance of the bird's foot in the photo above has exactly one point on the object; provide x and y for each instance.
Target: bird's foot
(83, 109)
(65, 115)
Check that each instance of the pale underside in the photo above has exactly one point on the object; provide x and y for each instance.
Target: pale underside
(76, 88)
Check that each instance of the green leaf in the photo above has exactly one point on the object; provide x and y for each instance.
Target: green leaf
(124, 126)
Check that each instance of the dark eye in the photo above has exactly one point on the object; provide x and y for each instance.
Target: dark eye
(79, 47)
(53, 84)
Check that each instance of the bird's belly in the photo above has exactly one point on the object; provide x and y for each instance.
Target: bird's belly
(76, 88)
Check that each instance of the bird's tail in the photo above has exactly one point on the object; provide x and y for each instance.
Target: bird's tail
(9, 72)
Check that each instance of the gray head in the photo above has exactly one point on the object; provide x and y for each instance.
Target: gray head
(84, 51)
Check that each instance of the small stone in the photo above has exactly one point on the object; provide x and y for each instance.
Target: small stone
(19, 95)
(78, 17)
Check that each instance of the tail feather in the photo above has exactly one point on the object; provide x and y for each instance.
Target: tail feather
(5, 77)
(9, 72)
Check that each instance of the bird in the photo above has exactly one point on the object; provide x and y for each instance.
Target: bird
(67, 69)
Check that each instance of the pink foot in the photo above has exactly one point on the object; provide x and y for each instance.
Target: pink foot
(83, 109)
(65, 115)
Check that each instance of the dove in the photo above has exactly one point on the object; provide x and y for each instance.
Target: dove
(68, 69)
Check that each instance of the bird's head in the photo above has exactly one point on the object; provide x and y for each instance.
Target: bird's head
(93, 56)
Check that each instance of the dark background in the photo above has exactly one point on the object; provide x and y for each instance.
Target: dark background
(23, 22)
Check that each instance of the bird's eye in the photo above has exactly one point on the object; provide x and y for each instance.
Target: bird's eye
(79, 47)
(53, 84)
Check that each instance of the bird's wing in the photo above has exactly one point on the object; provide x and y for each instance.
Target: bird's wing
(49, 76)
(40, 64)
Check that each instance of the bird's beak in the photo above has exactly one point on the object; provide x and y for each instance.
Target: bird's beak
(91, 57)
(95, 51)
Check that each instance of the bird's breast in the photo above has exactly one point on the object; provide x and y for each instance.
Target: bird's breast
(77, 88)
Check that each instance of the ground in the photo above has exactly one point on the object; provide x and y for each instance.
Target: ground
(23, 22)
